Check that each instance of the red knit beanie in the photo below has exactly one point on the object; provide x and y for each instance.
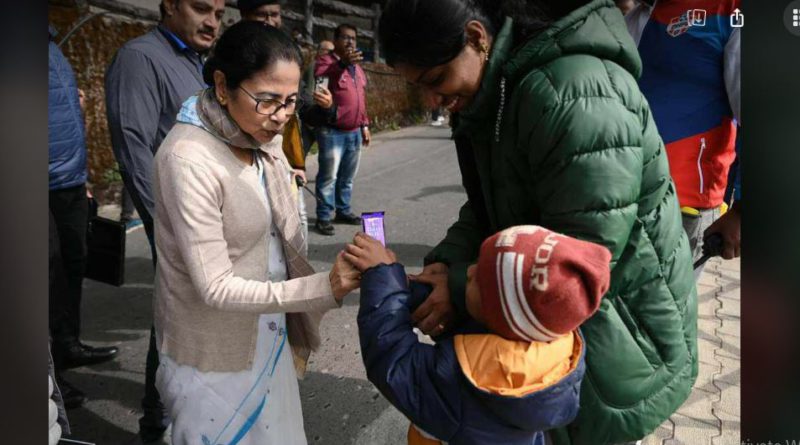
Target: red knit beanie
(537, 285)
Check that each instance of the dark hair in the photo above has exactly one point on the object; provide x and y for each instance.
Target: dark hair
(338, 32)
(245, 6)
(247, 48)
(427, 33)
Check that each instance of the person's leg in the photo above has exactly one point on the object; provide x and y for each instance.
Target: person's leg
(437, 119)
(128, 215)
(347, 172)
(695, 226)
(331, 144)
(58, 309)
(69, 208)
(144, 215)
(154, 420)
(126, 212)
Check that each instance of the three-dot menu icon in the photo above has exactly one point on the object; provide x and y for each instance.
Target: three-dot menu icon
(791, 17)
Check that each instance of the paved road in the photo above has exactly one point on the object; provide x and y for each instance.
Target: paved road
(412, 174)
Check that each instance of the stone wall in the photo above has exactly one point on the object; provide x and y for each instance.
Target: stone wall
(391, 100)
(90, 51)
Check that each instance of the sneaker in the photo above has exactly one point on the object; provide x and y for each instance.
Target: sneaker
(324, 227)
(133, 224)
(436, 123)
(348, 218)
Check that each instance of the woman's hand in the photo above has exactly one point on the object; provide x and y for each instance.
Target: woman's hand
(344, 278)
(323, 98)
(367, 252)
(436, 314)
(297, 173)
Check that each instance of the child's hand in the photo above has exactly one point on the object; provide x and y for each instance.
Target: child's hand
(367, 252)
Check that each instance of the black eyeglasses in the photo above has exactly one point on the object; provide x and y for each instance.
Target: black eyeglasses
(269, 107)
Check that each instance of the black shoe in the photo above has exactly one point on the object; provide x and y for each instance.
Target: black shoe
(325, 227)
(152, 435)
(72, 396)
(79, 354)
(348, 218)
(153, 423)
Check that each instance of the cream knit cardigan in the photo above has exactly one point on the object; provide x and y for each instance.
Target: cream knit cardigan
(212, 245)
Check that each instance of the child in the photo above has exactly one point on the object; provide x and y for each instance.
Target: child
(530, 290)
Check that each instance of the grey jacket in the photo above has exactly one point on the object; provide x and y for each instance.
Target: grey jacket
(146, 84)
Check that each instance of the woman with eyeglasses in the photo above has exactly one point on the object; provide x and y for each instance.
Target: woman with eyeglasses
(237, 305)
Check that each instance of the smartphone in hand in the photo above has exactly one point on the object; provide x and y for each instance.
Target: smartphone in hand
(322, 82)
(372, 223)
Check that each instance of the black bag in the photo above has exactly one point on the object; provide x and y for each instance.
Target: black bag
(105, 242)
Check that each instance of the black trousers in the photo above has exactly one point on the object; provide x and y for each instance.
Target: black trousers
(68, 220)
(154, 420)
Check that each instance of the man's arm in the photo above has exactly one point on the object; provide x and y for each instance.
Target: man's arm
(732, 70)
(732, 67)
(729, 224)
(636, 19)
(133, 107)
(365, 121)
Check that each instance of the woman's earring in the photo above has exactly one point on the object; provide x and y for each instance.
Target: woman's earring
(485, 51)
(220, 100)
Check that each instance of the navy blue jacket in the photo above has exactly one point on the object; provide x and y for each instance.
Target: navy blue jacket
(427, 384)
(65, 130)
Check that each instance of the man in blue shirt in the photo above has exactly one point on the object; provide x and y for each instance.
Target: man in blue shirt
(148, 81)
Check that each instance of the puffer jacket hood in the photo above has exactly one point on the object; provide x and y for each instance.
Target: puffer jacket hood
(519, 397)
(589, 30)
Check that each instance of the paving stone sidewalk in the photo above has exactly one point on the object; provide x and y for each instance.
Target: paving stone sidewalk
(712, 413)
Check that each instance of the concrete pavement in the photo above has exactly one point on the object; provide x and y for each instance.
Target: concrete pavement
(413, 175)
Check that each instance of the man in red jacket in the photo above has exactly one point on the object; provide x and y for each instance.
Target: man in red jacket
(340, 144)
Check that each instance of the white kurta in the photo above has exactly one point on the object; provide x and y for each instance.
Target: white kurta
(260, 406)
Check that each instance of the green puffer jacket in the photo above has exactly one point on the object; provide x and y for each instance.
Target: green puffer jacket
(560, 136)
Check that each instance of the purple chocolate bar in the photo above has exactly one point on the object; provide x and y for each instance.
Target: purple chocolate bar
(372, 223)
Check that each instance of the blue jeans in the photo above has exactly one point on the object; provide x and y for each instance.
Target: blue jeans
(339, 155)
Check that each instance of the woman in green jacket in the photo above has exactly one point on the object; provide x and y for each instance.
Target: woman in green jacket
(551, 129)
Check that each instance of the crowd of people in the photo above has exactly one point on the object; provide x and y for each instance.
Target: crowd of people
(597, 150)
